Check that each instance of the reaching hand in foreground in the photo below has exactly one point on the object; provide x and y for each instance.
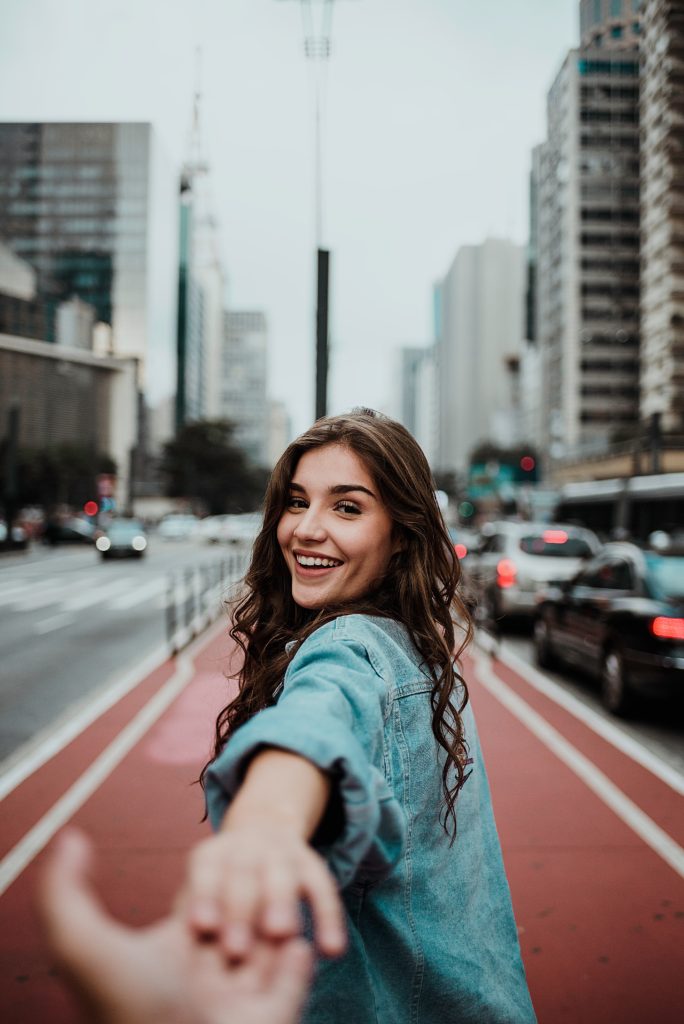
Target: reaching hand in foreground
(160, 973)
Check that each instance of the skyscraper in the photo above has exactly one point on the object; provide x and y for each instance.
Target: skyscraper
(242, 394)
(587, 234)
(662, 216)
(479, 325)
(74, 203)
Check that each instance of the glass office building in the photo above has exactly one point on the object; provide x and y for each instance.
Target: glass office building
(74, 203)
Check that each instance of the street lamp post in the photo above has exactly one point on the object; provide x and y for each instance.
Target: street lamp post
(317, 47)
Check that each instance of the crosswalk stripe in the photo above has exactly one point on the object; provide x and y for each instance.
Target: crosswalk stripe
(97, 595)
(137, 596)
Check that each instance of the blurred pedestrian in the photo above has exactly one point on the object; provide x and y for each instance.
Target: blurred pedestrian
(347, 772)
(159, 974)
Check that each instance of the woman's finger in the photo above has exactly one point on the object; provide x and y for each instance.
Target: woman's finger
(280, 917)
(320, 890)
(241, 900)
(202, 896)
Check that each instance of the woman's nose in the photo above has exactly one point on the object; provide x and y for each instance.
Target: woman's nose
(310, 525)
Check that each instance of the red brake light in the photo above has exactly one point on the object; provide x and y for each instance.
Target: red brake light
(461, 550)
(506, 572)
(668, 629)
(554, 536)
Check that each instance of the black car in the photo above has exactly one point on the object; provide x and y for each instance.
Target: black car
(621, 618)
(69, 531)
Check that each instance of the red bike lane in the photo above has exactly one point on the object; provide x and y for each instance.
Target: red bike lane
(600, 912)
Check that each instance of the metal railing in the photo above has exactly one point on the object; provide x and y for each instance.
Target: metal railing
(197, 595)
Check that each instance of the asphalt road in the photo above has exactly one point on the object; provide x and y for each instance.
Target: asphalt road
(71, 624)
(657, 726)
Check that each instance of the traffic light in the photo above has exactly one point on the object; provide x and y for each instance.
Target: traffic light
(91, 508)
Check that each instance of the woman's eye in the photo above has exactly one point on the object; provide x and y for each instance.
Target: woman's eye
(349, 507)
(294, 502)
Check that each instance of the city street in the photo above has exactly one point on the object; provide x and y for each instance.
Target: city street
(70, 624)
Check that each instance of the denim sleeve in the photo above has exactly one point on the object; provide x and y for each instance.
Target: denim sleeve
(330, 711)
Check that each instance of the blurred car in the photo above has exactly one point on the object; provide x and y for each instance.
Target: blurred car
(18, 539)
(621, 618)
(516, 559)
(466, 542)
(241, 528)
(69, 531)
(123, 538)
(177, 526)
(211, 529)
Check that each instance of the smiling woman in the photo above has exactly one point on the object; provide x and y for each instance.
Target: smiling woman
(349, 757)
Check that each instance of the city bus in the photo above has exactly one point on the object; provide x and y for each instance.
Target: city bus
(630, 506)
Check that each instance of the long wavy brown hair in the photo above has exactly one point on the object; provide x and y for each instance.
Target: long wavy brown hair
(420, 588)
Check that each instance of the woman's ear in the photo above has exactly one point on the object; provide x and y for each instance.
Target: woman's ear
(400, 542)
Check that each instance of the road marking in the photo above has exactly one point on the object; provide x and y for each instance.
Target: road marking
(107, 589)
(659, 841)
(42, 832)
(609, 732)
(102, 767)
(137, 596)
(54, 622)
(50, 593)
(33, 754)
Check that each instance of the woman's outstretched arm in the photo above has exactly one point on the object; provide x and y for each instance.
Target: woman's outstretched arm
(248, 879)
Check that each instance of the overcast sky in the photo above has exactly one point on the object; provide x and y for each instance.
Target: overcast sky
(432, 107)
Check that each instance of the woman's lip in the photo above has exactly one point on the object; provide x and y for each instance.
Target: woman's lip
(311, 571)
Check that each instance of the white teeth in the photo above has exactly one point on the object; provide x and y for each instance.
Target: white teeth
(309, 560)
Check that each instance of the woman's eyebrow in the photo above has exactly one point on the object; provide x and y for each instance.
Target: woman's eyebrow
(346, 488)
(337, 489)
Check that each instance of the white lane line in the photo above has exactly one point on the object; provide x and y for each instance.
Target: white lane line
(106, 590)
(40, 748)
(42, 832)
(659, 841)
(137, 596)
(609, 732)
(54, 622)
(50, 593)
(8, 595)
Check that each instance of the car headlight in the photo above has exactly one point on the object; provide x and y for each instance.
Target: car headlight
(139, 543)
(103, 543)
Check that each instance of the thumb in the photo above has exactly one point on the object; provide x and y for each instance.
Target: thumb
(71, 913)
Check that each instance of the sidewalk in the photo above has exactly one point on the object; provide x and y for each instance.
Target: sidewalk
(592, 839)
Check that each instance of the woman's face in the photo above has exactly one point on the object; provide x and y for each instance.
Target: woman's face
(335, 533)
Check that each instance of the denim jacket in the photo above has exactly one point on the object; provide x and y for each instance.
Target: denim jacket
(432, 939)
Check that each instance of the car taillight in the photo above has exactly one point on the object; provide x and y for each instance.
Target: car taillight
(506, 572)
(554, 536)
(461, 550)
(668, 629)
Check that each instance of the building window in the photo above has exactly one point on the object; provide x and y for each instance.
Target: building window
(616, 32)
(616, 8)
(597, 11)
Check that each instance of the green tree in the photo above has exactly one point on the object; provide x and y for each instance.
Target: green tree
(203, 462)
(59, 474)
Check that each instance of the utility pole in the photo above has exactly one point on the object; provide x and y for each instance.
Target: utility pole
(317, 48)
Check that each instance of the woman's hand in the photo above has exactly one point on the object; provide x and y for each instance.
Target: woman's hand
(160, 974)
(247, 882)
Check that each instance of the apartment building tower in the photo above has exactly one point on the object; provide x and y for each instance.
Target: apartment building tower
(242, 392)
(74, 202)
(480, 322)
(662, 216)
(586, 224)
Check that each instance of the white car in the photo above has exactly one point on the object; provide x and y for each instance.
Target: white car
(177, 526)
(515, 561)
